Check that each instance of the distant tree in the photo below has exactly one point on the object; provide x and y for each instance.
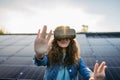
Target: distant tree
(2, 31)
(84, 28)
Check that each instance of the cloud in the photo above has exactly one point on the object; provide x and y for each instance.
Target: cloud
(31, 14)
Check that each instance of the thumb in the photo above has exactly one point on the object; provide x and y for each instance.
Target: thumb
(49, 47)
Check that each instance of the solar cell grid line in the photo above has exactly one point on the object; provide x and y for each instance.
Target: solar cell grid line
(82, 39)
(118, 46)
(17, 51)
(29, 73)
(5, 37)
(2, 59)
(17, 61)
(96, 41)
(22, 43)
(15, 72)
(109, 76)
(11, 72)
(97, 51)
(108, 60)
(25, 41)
(10, 50)
(89, 63)
(116, 71)
(14, 40)
(111, 43)
(115, 62)
(35, 74)
(85, 51)
(115, 41)
(112, 61)
(118, 60)
(11, 40)
(114, 74)
(22, 73)
(4, 71)
(92, 51)
(31, 43)
(104, 50)
(8, 74)
(42, 71)
(28, 51)
(83, 47)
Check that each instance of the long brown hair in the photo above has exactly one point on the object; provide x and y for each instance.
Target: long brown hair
(72, 53)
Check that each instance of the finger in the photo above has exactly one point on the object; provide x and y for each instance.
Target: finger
(38, 34)
(101, 67)
(91, 78)
(49, 35)
(103, 71)
(96, 68)
(104, 68)
(43, 34)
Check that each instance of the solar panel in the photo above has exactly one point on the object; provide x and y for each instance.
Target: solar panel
(17, 51)
(113, 74)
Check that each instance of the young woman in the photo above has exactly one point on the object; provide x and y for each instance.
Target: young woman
(62, 56)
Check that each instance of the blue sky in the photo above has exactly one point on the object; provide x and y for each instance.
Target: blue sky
(27, 16)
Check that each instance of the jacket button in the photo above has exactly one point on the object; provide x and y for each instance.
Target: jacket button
(70, 70)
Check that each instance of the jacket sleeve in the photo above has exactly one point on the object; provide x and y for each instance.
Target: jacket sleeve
(84, 70)
(42, 62)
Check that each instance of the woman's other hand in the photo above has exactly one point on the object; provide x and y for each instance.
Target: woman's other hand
(99, 71)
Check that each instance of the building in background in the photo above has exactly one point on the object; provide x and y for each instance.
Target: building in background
(84, 28)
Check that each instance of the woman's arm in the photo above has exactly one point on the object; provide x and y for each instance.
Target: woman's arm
(41, 46)
(84, 70)
(41, 62)
(98, 74)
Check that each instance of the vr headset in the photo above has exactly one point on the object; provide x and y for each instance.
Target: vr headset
(64, 33)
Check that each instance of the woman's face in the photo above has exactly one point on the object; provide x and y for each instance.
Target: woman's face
(63, 43)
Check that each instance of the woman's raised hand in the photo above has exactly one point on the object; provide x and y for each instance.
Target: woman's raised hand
(99, 71)
(41, 42)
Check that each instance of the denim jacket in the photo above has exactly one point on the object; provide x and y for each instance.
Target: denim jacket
(52, 71)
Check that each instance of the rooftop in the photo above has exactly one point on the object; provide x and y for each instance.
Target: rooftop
(17, 51)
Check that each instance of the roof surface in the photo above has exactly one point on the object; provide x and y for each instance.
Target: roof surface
(17, 51)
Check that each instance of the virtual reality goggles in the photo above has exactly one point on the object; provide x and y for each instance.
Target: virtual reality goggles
(64, 33)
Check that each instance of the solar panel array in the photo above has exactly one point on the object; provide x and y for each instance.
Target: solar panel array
(17, 51)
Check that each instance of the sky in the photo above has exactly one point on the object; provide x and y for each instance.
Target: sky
(27, 16)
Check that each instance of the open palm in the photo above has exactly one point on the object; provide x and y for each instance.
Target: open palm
(41, 41)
